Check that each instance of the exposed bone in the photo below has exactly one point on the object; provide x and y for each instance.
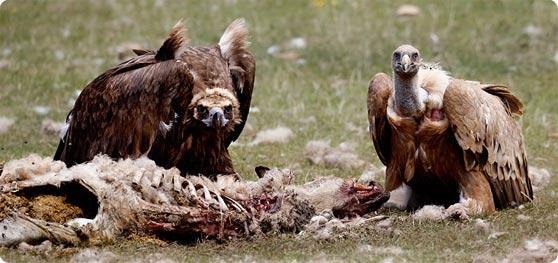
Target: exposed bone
(137, 197)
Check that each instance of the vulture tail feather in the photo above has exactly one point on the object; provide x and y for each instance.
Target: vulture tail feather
(140, 52)
(174, 44)
(512, 102)
(234, 41)
(59, 151)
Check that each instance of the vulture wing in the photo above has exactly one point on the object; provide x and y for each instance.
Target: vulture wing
(119, 112)
(381, 86)
(242, 66)
(481, 118)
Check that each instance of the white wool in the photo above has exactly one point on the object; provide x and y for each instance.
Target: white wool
(393, 250)
(534, 250)
(125, 187)
(90, 255)
(28, 167)
(51, 127)
(324, 227)
(372, 173)
(280, 134)
(482, 226)
(5, 124)
(430, 213)
(342, 157)
(316, 150)
(358, 130)
(540, 177)
(43, 248)
(319, 192)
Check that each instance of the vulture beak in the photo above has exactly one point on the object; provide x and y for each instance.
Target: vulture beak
(406, 61)
(216, 118)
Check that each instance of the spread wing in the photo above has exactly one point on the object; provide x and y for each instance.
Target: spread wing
(380, 88)
(242, 65)
(119, 112)
(243, 75)
(481, 118)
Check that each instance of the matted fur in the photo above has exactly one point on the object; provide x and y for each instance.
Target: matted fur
(138, 197)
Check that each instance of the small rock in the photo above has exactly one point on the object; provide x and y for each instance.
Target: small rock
(41, 110)
(5, 124)
(272, 50)
(298, 43)
(4, 63)
(408, 10)
(532, 30)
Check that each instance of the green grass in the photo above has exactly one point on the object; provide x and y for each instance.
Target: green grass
(56, 47)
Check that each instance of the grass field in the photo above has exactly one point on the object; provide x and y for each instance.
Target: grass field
(51, 49)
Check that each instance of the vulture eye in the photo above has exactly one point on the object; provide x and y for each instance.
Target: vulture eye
(415, 56)
(201, 110)
(228, 109)
(396, 55)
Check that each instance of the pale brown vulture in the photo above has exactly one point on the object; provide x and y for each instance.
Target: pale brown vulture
(447, 141)
(180, 105)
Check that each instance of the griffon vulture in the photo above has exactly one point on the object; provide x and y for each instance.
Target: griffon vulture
(447, 141)
(181, 105)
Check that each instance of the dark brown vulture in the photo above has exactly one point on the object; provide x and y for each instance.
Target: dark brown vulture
(447, 141)
(180, 105)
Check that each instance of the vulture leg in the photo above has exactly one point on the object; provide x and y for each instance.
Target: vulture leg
(476, 196)
(399, 198)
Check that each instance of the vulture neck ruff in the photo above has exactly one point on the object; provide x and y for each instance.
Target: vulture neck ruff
(215, 97)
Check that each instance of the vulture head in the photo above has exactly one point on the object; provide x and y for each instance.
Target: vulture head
(409, 97)
(405, 60)
(215, 108)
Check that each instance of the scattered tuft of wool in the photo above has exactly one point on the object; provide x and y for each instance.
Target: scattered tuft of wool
(540, 177)
(342, 157)
(5, 124)
(430, 213)
(278, 135)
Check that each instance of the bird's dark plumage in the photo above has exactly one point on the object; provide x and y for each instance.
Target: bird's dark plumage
(180, 105)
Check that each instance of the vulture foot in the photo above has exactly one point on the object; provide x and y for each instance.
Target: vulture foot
(458, 211)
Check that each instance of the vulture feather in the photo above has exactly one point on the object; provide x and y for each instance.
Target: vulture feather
(180, 105)
(447, 141)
